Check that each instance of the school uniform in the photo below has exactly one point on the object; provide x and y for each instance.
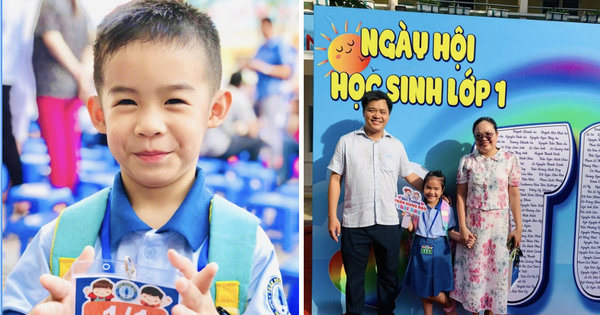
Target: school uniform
(429, 274)
(186, 232)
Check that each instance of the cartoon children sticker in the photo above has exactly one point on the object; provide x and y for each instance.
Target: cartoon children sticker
(407, 192)
(416, 196)
(102, 290)
(152, 296)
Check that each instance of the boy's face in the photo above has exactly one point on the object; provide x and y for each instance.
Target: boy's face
(156, 107)
(150, 299)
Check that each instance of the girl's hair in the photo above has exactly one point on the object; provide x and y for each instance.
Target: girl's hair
(436, 174)
(488, 119)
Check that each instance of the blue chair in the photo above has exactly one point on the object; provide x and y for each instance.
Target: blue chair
(291, 189)
(279, 215)
(97, 153)
(42, 198)
(256, 177)
(227, 186)
(5, 178)
(90, 139)
(290, 276)
(27, 227)
(212, 165)
(92, 182)
(36, 167)
(34, 146)
(34, 129)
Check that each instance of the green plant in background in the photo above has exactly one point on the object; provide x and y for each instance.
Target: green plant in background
(430, 2)
(553, 9)
(349, 3)
(597, 13)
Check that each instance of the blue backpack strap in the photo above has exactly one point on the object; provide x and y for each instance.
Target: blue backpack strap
(76, 227)
(232, 243)
(445, 209)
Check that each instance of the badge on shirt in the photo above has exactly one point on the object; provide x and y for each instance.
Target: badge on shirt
(276, 297)
(426, 249)
(116, 288)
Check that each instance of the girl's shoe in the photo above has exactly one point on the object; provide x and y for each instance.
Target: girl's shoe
(452, 309)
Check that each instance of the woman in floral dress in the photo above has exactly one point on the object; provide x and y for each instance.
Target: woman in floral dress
(487, 187)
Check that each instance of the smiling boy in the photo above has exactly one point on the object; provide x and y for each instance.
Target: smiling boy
(157, 71)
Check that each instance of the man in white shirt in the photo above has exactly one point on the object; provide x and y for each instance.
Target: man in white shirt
(370, 160)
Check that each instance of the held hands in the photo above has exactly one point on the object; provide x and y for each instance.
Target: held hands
(334, 228)
(60, 301)
(194, 286)
(467, 238)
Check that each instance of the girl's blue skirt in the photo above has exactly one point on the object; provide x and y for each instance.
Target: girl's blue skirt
(428, 275)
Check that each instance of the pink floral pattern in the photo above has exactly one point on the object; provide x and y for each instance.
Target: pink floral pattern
(488, 179)
(486, 301)
(488, 248)
(476, 219)
(481, 273)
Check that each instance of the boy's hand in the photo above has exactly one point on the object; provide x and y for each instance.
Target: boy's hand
(194, 286)
(59, 302)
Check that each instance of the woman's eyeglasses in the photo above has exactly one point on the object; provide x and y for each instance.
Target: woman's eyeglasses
(487, 135)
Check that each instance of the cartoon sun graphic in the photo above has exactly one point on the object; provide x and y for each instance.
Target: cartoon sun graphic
(344, 52)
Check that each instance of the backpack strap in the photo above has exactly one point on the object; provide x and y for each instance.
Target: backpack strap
(445, 209)
(230, 224)
(76, 227)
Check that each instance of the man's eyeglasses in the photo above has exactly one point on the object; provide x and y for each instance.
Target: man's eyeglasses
(487, 135)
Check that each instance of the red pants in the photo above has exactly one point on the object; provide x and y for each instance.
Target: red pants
(59, 126)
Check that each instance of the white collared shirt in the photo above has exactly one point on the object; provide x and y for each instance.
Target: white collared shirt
(370, 170)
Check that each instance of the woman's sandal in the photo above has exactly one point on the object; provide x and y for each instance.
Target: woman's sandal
(452, 309)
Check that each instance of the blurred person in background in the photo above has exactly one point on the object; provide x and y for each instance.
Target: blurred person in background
(12, 46)
(239, 131)
(274, 64)
(291, 141)
(62, 63)
(18, 87)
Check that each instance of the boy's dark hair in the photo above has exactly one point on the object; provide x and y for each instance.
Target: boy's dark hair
(165, 21)
(436, 174)
(375, 96)
(266, 20)
(152, 291)
(102, 284)
(488, 119)
(236, 79)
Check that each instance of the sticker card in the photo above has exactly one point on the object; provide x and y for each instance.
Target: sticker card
(410, 201)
